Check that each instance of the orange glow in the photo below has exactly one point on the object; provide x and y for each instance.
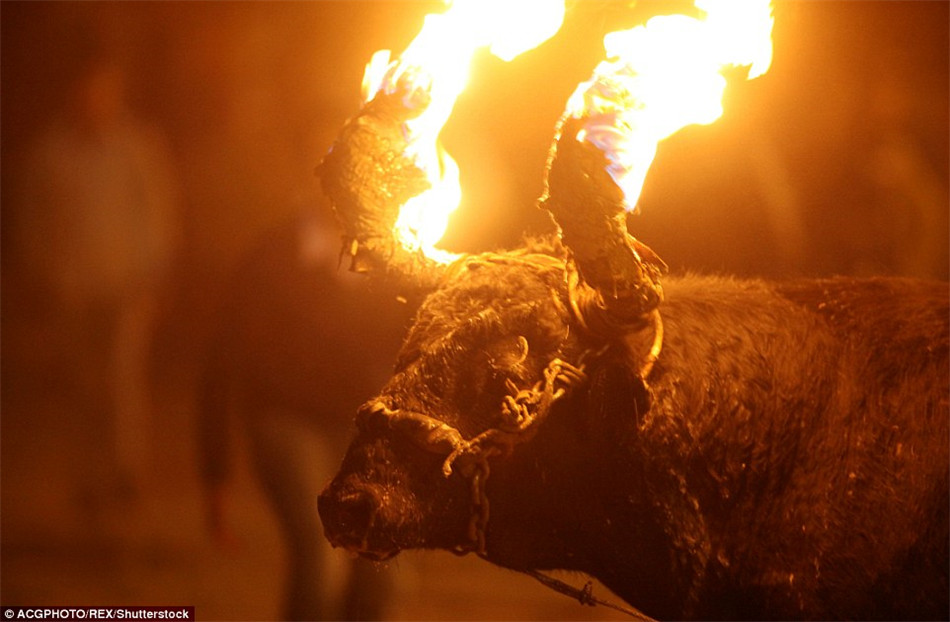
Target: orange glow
(434, 70)
(665, 75)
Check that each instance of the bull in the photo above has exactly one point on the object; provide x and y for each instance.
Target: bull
(708, 448)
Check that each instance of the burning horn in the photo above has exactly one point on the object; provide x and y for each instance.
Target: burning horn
(614, 280)
(368, 177)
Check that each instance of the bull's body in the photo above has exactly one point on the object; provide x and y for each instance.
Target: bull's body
(787, 456)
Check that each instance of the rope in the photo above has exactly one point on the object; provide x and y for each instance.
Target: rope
(585, 595)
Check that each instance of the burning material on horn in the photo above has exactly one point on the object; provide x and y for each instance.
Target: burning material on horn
(657, 79)
(367, 178)
(392, 185)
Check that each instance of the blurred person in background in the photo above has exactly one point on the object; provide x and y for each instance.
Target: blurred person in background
(300, 345)
(96, 236)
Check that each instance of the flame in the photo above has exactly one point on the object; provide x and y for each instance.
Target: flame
(432, 72)
(663, 76)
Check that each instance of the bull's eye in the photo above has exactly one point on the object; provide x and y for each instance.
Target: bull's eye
(509, 353)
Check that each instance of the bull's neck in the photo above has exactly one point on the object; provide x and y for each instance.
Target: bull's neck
(573, 499)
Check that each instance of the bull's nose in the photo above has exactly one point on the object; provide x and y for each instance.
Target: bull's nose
(347, 517)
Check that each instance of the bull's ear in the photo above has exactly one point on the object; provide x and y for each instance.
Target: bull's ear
(618, 397)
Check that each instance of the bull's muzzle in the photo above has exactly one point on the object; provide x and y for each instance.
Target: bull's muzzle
(349, 518)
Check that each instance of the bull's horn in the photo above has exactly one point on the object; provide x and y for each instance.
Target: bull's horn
(615, 278)
(368, 178)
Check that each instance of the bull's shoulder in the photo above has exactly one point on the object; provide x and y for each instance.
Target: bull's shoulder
(738, 328)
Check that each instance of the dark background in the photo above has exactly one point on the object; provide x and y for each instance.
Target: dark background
(835, 162)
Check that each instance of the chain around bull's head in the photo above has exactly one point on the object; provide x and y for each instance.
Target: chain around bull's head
(523, 410)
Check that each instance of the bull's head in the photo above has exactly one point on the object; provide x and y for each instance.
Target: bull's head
(499, 345)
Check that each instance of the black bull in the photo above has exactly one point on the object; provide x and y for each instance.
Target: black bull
(786, 456)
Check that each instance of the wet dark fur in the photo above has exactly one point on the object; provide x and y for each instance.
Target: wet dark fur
(788, 457)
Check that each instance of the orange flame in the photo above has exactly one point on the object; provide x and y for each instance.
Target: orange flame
(663, 76)
(433, 72)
